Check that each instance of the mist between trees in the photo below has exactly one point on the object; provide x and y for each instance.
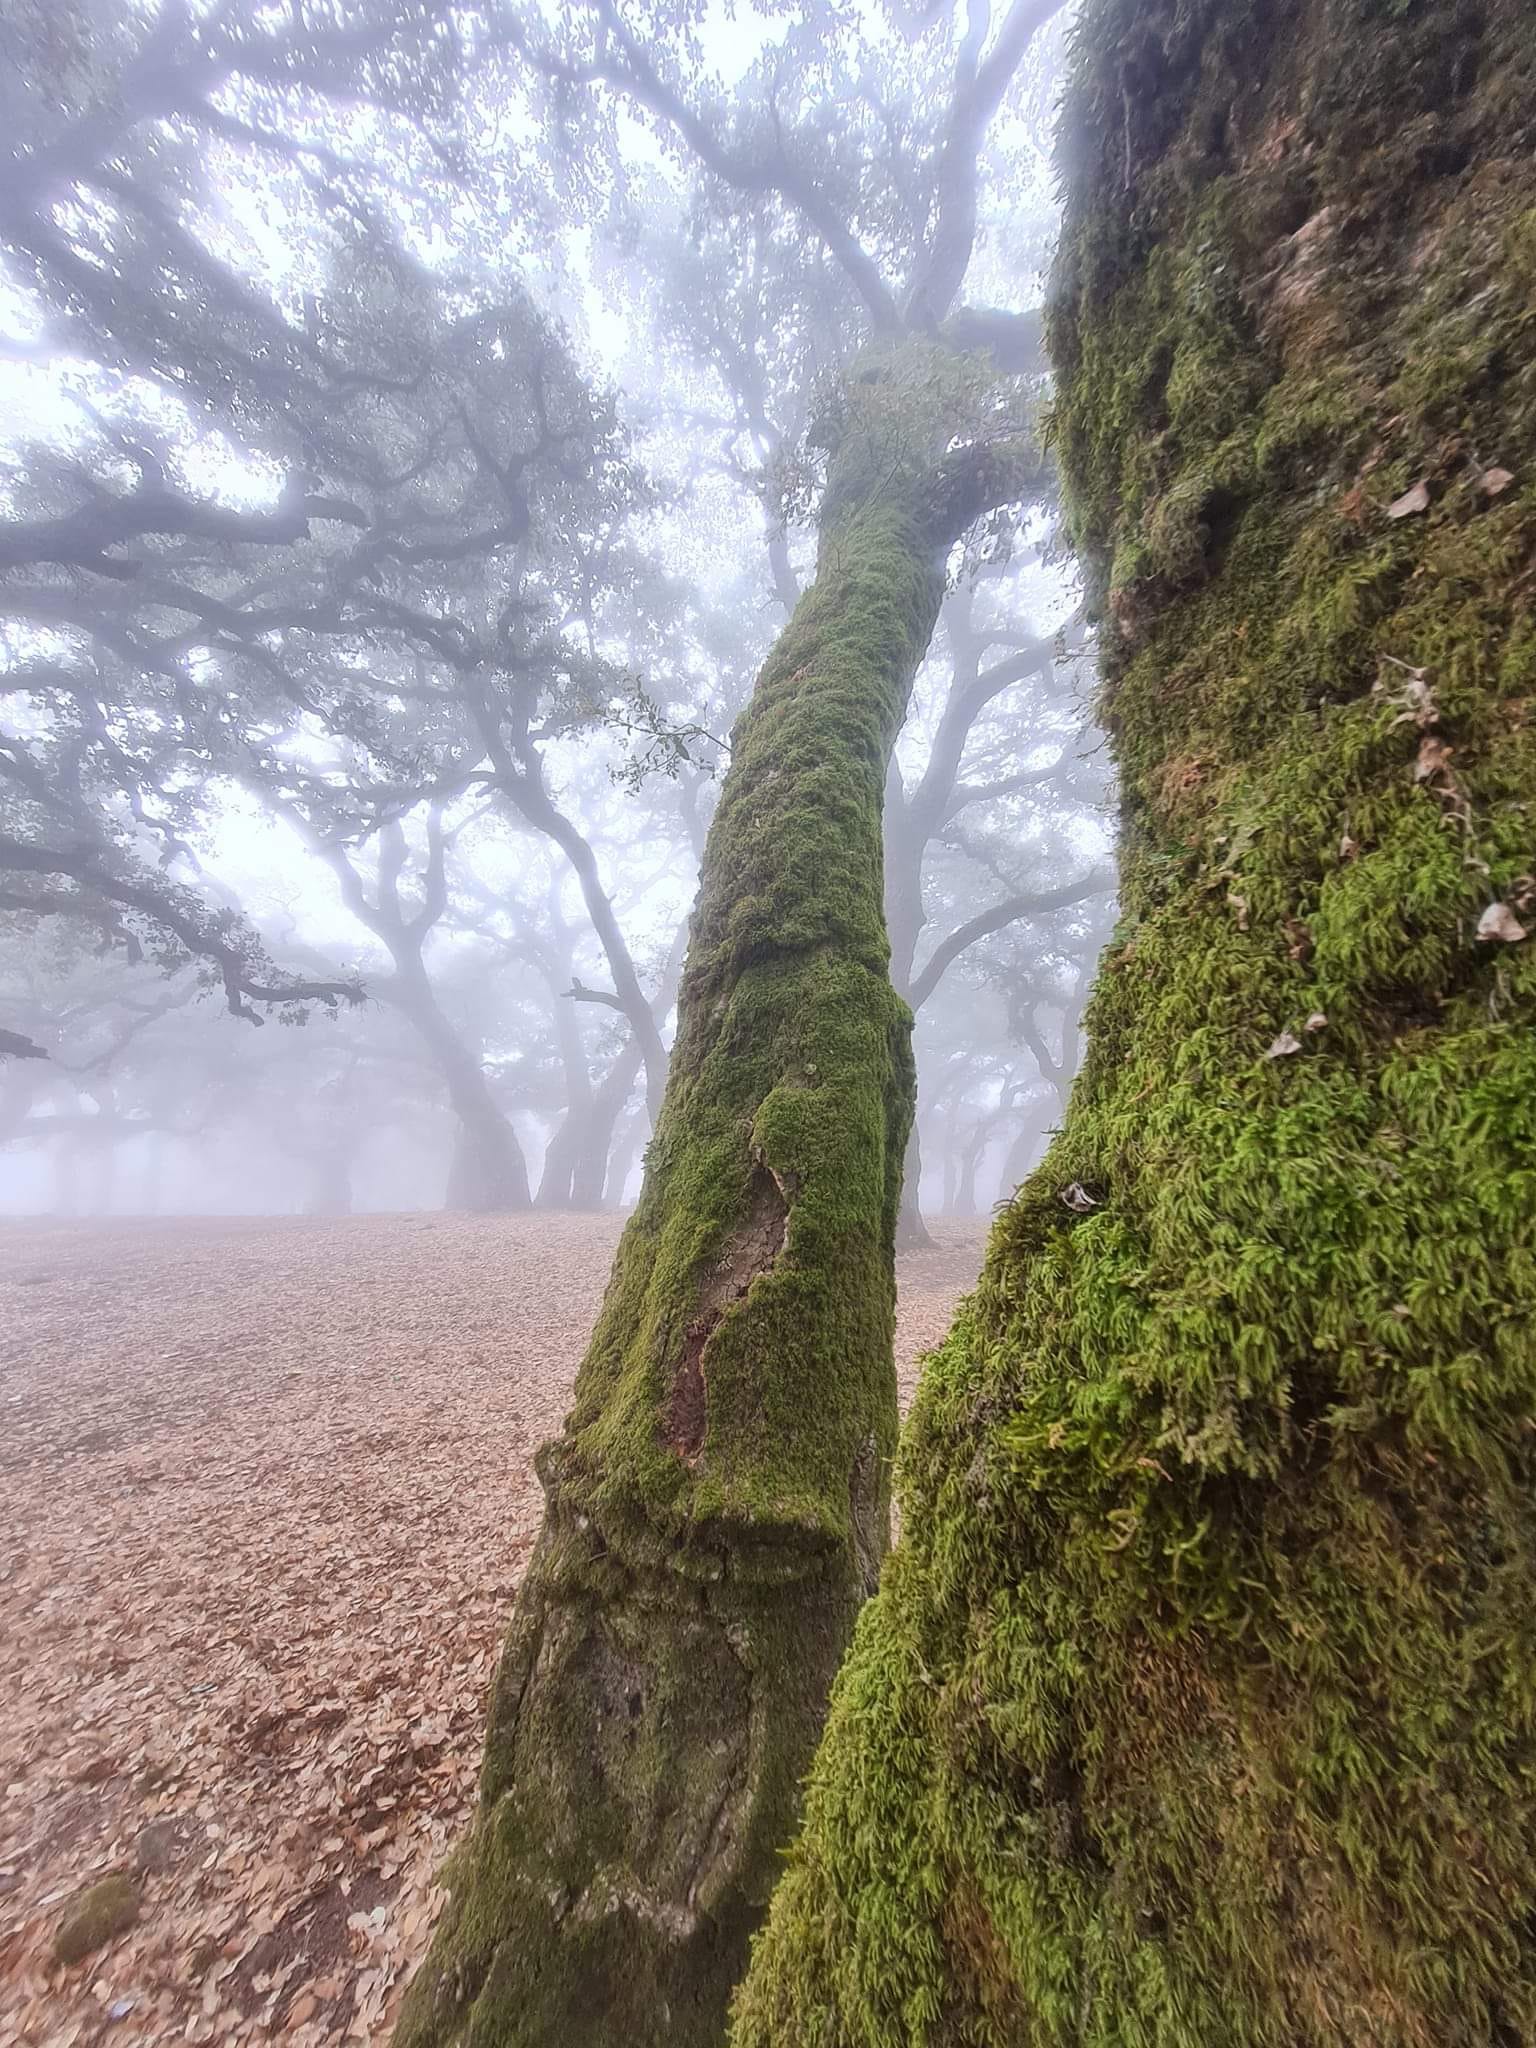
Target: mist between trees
(415, 429)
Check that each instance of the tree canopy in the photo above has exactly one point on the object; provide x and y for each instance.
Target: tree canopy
(423, 415)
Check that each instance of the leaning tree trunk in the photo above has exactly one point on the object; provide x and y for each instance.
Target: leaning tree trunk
(718, 1505)
(487, 1172)
(560, 1156)
(1196, 1707)
(627, 1146)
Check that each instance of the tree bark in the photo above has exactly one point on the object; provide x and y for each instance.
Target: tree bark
(718, 1504)
(1195, 1706)
(590, 1173)
(564, 1147)
(621, 1159)
(969, 1166)
(1014, 1164)
(904, 848)
(487, 1171)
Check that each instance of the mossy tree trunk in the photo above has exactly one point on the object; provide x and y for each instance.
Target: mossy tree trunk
(717, 1506)
(1197, 1706)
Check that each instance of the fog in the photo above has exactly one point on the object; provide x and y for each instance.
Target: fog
(412, 444)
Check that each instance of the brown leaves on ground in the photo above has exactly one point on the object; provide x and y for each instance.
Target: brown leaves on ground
(267, 1496)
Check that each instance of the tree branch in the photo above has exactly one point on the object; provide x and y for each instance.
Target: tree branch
(980, 84)
(638, 78)
(979, 477)
(579, 993)
(77, 539)
(186, 920)
(1009, 911)
(14, 1047)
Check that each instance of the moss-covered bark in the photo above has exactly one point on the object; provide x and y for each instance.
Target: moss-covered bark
(718, 1504)
(1198, 1705)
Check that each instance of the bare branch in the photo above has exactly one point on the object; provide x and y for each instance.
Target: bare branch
(77, 539)
(638, 79)
(14, 1047)
(179, 913)
(579, 993)
(1000, 915)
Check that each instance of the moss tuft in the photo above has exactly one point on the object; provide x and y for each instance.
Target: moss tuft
(96, 1916)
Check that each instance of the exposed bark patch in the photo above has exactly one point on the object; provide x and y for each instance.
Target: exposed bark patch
(750, 1250)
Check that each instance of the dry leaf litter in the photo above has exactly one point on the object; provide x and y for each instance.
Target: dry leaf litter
(267, 1494)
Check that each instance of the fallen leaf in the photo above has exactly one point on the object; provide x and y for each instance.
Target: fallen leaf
(1416, 499)
(1434, 758)
(1317, 1021)
(1077, 1197)
(1285, 1044)
(1493, 482)
(1499, 922)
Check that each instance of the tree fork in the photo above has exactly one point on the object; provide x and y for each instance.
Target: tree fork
(717, 1506)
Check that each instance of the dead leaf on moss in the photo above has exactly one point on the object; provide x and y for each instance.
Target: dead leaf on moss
(1414, 699)
(1283, 1046)
(1318, 1021)
(1434, 758)
(1414, 499)
(1494, 482)
(1499, 925)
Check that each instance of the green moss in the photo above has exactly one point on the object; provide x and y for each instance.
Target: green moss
(97, 1915)
(1198, 1706)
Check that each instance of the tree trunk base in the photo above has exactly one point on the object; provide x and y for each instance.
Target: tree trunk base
(649, 1724)
(912, 1233)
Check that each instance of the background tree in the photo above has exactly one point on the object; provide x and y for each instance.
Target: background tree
(123, 244)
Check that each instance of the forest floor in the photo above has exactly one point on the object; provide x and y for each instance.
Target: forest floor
(265, 1494)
